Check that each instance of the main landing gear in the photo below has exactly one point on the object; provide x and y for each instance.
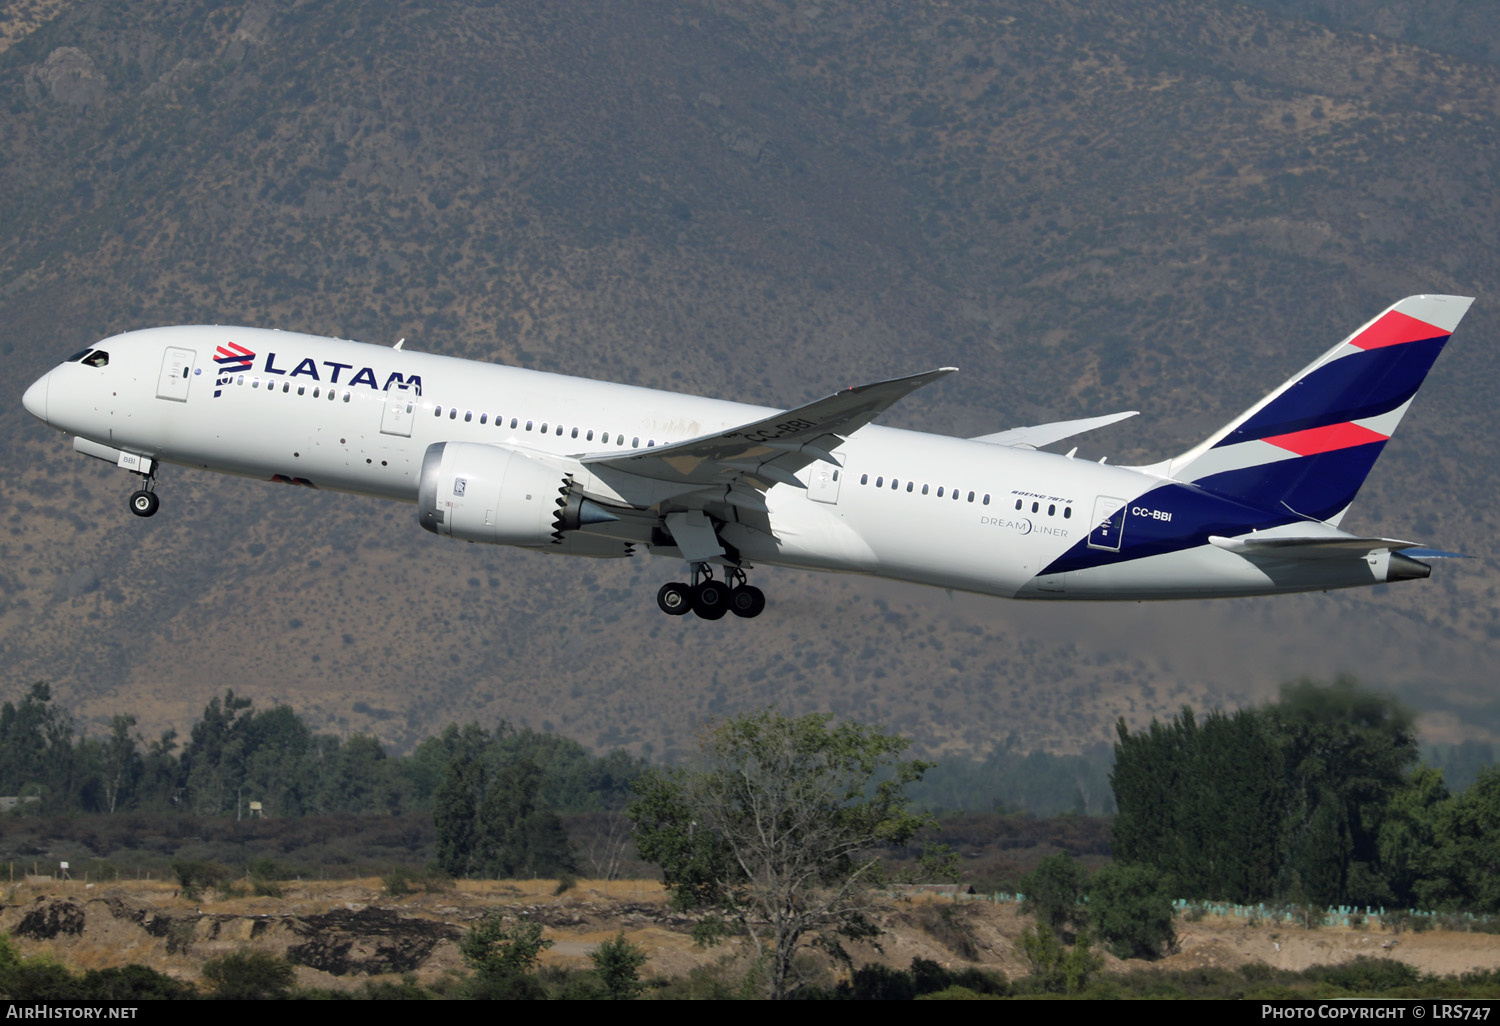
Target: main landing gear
(709, 598)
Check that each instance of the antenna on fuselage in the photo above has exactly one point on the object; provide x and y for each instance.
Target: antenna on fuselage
(399, 342)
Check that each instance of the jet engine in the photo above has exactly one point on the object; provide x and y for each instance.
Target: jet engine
(499, 495)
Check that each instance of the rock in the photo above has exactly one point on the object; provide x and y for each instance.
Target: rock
(70, 76)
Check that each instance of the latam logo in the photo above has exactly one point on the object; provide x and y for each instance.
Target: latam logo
(234, 359)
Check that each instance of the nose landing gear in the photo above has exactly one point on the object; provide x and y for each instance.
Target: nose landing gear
(144, 502)
(711, 599)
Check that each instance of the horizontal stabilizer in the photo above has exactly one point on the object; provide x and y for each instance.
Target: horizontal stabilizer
(1327, 546)
(1038, 435)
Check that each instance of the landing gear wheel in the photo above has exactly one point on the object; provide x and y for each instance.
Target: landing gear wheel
(674, 599)
(747, 600)
(144, 503)
(711, 600)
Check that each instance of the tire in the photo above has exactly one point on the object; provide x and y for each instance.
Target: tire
(674, 599)
(711, 600)
(144, 503)
(747, 600)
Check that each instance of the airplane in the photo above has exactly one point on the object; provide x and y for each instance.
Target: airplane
(579, 467)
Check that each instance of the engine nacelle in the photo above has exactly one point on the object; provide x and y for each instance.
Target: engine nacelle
(490, 493)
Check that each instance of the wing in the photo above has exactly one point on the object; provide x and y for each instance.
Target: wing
(767, 452)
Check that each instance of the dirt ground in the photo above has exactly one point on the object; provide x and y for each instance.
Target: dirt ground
(341, 934)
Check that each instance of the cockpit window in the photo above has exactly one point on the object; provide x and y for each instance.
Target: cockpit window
(97, 358)
(78, 356)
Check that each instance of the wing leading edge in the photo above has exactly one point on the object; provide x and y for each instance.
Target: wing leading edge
(766, 452)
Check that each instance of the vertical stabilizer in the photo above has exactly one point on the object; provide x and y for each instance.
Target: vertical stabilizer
(1308, 446)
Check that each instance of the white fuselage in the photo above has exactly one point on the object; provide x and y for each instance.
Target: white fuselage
(931, 509)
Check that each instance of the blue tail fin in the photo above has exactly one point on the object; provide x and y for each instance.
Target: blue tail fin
(1308, 446)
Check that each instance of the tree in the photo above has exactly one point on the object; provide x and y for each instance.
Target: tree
(1466, 862)
(618, 963)
(1130, 908)
(1283, 800)
(1202, 801)
(1407, 838)
(503, 956)
(1054, 893)
(122, 763)
(491, 822)
(1056, 969)
(778, 829)
(1345, 751)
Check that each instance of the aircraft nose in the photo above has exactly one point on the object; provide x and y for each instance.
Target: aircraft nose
(35, 399)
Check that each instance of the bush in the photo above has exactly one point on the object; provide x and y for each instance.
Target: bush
(497, 952)
(1367, 975)
(1131, 911)
(249, 976)
(131, 983)
(195, 877)
(1056, 969)
(617, 963)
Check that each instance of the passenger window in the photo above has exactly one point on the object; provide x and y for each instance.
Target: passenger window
(468, 416)
(514, 423)
(317, 393)
(1051, 510)
(635, 443)
(437, 411)
(924, 487)
(864, 479)
(1035, 506)
(986, 498)
(301, 389)
(880, 482)
(528, 425)
(346, 396)
(590, 436)
(895, 484)
(453, 413)
(483, 418)
(940, 491)
(971, 496)
(544, 427)
(575, 433)
(909, 486)
(1067, 512)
